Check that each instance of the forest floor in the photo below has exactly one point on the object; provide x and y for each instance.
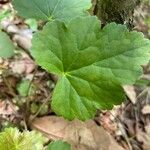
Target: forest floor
(25, 92)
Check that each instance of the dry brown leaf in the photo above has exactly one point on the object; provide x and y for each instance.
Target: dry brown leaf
(144, 138)
(81, 135)
(26, 65)
(22, 41)
(5, 110)
(130, 91)
(146, 109)
(52, 126)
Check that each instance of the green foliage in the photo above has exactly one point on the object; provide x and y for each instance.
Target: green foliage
(142, 83)
(43, 109)
(34, 108)
(6, 46)
(33, 24)
(92, 63)
(23, 88)
(4, 14)
(64, 10)
(59, 145)
(12, 139)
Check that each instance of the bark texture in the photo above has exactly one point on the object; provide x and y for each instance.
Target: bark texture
(119, 11)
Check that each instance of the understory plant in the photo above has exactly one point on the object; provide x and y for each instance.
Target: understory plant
(92, 63)
(13, 139)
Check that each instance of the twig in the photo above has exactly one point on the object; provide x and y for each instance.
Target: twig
(121, 127)
(25, 124)
(28, 91)
(28, 100)
(9, 87)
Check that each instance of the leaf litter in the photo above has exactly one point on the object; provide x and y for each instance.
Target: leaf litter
(128, 125)
(81, 135)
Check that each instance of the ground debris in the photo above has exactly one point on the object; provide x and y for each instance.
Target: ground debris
(81, 135)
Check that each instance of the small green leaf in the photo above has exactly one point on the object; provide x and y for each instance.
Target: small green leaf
(34, 108)
(59, 145)
(64, 10)
(23, 87)
(92, 63)
(12, 139)
(33, 24)
(6, 46)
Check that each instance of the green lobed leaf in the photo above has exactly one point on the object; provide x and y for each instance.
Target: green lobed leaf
(6, 46)
(12, 139)
(64, 10)
(92, 63)
(59, 145)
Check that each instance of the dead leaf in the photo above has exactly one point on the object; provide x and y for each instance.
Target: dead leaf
(130, 91)
(144, 138)
(12, 29)
(146, 109)
(22, 41)
(81, 135)
(5, 108)
(107, 121)
(53, 126)
(26, 65)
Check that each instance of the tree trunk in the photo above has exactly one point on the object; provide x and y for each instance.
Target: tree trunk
(119, 11)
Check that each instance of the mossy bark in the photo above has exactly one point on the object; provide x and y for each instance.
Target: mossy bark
(119, 11)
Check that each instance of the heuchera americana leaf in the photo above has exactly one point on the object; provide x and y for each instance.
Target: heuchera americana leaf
(92, 63)
(63, 10)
